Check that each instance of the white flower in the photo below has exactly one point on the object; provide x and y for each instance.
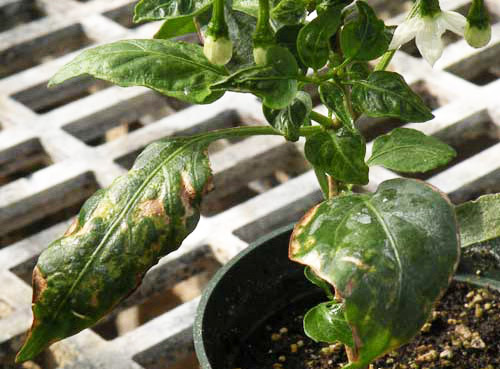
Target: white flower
(427, 31)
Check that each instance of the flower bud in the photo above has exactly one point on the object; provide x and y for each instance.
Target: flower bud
(218, 50)
(478, 28)
(477, 37)
(259, 55)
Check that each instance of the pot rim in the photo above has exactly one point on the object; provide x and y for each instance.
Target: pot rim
(212, 285)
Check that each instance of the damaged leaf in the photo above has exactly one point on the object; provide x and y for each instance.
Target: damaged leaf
(389, 255)
(119, 234)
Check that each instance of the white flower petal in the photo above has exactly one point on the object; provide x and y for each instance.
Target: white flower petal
(429, 41)
(405, 32)
(453, 21)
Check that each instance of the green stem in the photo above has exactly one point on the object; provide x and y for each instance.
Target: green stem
(263, 32)
(246, 131)
(218, 26)
(323, 120)
(385, 60)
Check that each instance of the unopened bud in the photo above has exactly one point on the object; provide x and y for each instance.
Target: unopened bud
(478, 27)
(259, 55)
(218, 51)
(477, 37)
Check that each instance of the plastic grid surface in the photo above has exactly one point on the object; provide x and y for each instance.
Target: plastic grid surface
(58, 146)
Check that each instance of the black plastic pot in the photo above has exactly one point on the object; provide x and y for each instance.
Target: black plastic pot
(245, 292)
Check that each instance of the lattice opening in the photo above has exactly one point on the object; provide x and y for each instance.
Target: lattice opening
(16, 12)
(184, 360)
(42, 49)
(42, 99)
(482, 72)
(23, 160)
(290, 164)
(39, 212)
(113, 123)
(123, 15)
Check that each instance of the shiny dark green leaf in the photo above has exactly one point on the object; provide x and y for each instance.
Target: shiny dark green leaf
(480, 264)
(152, 10)
(363, 37)
(274, 82)
(120, 233)
(479, 220)
(314, 279)
(289, 12)
(314, 38)
(287, 36)
(410, 151)
(289, 120)
(326, 323)
(386, 94)
(333, 97)
(175, 27)
(358, 70)
(174, 69)
(340, 154)
(389, 255)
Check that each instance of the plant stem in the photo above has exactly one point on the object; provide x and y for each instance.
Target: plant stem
(218, 26)
(324, 121)
(385, 60)
(263, 32)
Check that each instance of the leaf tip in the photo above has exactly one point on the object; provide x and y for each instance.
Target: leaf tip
(34, 344)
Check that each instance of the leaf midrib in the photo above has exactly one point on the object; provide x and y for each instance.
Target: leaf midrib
(118, 220)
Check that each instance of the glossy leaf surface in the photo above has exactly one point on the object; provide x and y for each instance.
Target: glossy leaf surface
(389, 255)
(152, 10)
(289, 120)
(363, 38)
(174, 69)
(326, 323)
(175, 27)
(340, 153)
(119, 234)
(386, 94)
(313, 40)
(289, 12)
(479, 220)
(409, 151)
(274, 82)
(333, 97)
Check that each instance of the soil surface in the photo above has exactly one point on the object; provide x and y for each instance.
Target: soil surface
(462, 333)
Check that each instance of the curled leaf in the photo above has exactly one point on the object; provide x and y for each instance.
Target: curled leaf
(389, 255)
(119, 234)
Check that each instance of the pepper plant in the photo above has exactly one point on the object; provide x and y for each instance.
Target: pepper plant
(383, 258)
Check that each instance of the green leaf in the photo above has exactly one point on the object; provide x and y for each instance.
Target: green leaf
(274, 82)
(322, 178)
(363, 38)
(333, 97)
(340, 154)
(250, 7)
(289, 120)
(386, 94)
(153, 10)
(120, 233)
(286, 37)
(480, 264)
(314, 279)
(389, 255)
(410, 151)
(326, 323)
(176, 27)
(174, 69)
(358, 70)
(289, 12)
(313, 40)
(479, 220)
